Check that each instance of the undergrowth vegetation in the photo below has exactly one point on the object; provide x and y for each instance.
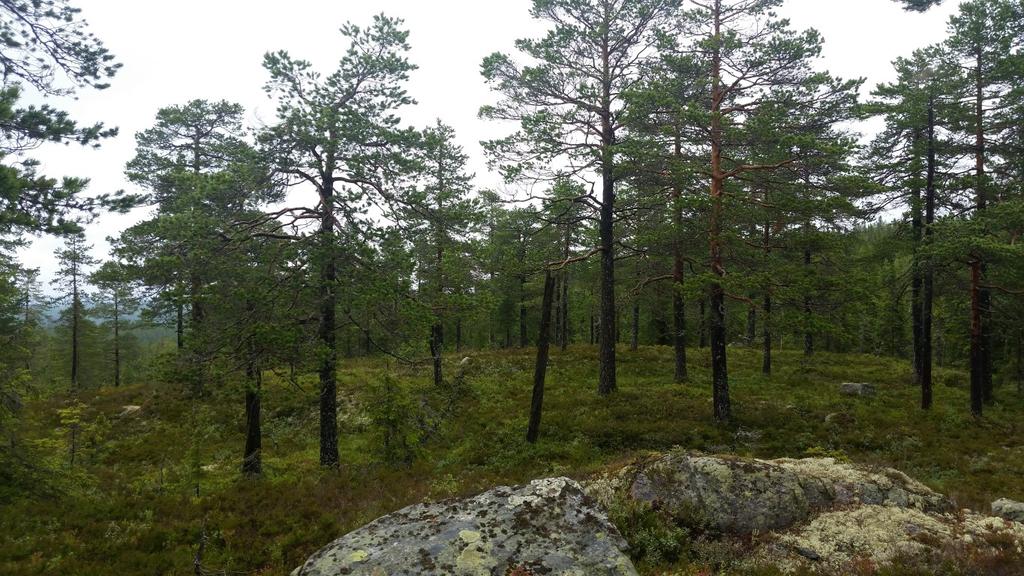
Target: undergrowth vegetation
(146, 489)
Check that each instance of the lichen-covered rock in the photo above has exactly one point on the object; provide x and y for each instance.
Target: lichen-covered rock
(546, 527)
(745, 495)
(1008, 509)
(828, 483)
(881, 534)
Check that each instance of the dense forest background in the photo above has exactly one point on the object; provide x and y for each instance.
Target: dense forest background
(688, 176)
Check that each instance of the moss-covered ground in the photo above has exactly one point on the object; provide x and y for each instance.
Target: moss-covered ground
(128, 505)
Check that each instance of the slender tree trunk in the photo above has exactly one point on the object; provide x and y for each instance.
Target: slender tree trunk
(977, 357)
(719, 369)
(180, 328)
(917, 271)
(458, 335)
(928, 282)
(984, 296)
(808, 316)
(606, 381)
(566, 248)
(540, 369)
(766, 360)
(252, 460)
(117, 340)
(751, 324)
(327, 329)
(678, 271)
(76, 306)
(436, 345)
(437, 330)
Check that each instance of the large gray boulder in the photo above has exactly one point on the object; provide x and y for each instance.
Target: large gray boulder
(1008, 509)
(546, 527)
(745, 495)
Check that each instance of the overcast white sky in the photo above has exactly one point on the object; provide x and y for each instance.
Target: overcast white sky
(177, 51)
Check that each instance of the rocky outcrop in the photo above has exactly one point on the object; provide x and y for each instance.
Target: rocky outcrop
(546, 527)
(745, 495)
(836, 541)
(1008, 509)
(813, 514)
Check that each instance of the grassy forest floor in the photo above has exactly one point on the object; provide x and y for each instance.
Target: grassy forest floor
(128, 505)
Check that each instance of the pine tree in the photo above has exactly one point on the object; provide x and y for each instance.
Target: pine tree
(754, 60)
(71, 279)
(568, 105)
(115, 301)
(339, 135)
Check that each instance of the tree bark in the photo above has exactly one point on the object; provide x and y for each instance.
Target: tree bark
(928, 282)
(117, 340)
(719, 369)
(678, 271)
(458, 335)
(917, 272)
(984, 296)
(327, 328)
(180, 327)
(76, 306)
(436, 345)
(252, 460)
(606, 381)
(766, 360)
(808, 334)
(977, 358)
(540, 369)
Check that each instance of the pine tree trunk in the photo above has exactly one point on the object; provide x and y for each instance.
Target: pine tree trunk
(719, 369)
(327, 330)
(117, 340)
(75, 305)
(606, 228)
(252, 460)
(977, 358)
(917, 276)
(984, 297)
(436, 345)
(180, 328)
(928, 282)
(540, 369)
(808, 334)
(565, 310)
(751, 325)
(678, 272)
(458, 335)
(766, 360)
